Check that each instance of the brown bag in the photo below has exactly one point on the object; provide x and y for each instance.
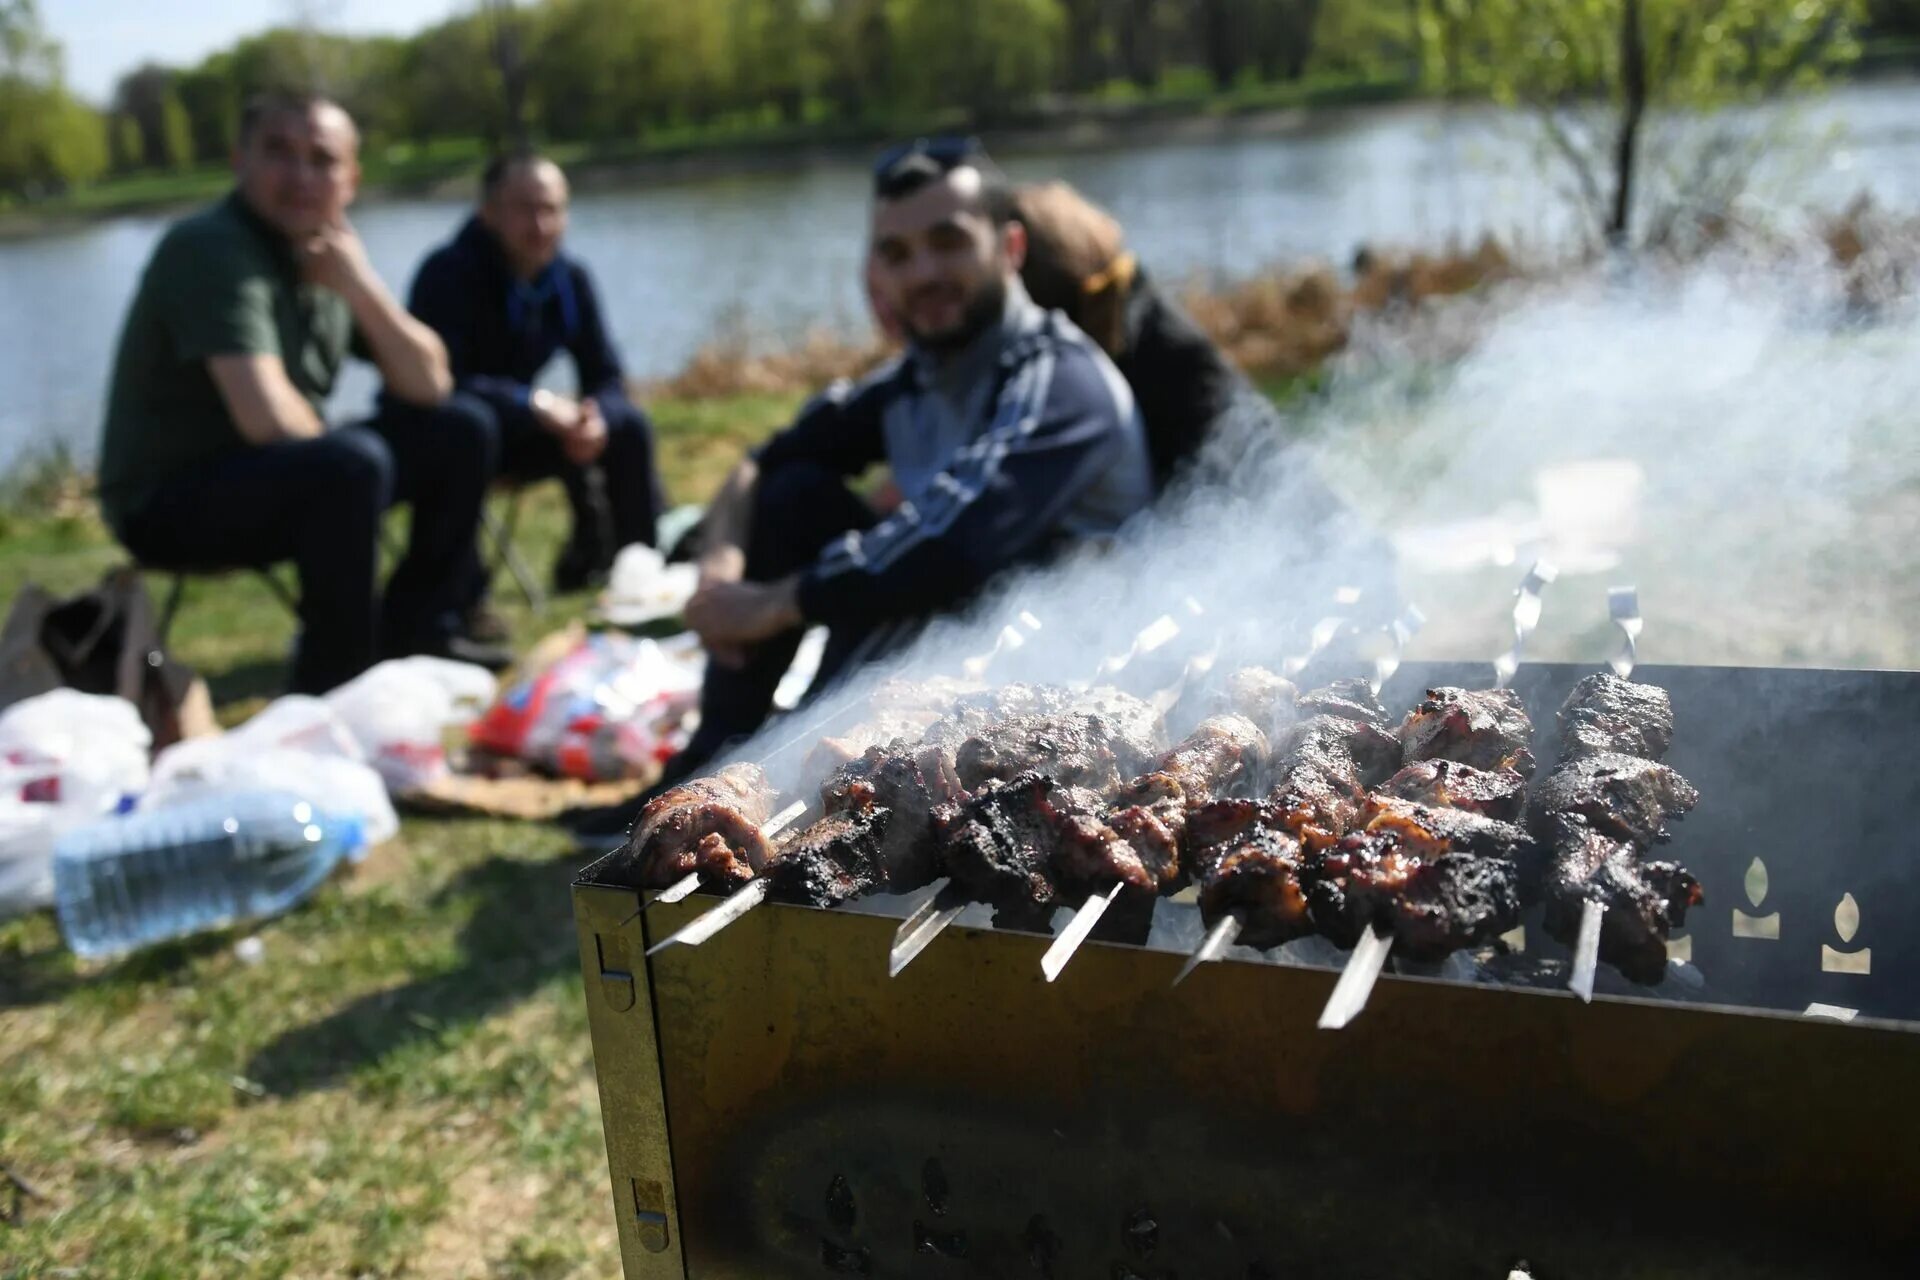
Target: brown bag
(101, 641)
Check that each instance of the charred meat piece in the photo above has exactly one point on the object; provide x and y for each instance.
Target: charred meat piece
(1078, 748)
(1644, 901)
(1486, 728)
(1220, 758)
(1347, 699)
(1028, 844)
(708, 822)
(1607, 715)
(1323, 769)
(1437, 880)
(1625, 797)
(841, 856)
(1248, 863)
(1445, 784)
(917, 785)
(1261, 696)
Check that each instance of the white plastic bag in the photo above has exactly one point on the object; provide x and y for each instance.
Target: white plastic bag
(66, 758)
(400, 710)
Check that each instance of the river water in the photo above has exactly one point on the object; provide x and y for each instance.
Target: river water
(776, 253)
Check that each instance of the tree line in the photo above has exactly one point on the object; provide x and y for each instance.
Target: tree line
(609, 73)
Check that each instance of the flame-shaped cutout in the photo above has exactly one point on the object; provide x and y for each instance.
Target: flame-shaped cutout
(1846, 918)
(1756, 883)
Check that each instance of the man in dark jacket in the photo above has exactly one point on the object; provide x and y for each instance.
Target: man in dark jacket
(1006, 431)
(506, 299)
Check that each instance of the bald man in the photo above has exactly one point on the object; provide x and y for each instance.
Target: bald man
(507, 298)
(216, 452)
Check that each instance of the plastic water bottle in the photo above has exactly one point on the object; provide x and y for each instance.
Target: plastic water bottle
(206, 864)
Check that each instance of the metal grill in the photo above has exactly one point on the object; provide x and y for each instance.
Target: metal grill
(776, 1105)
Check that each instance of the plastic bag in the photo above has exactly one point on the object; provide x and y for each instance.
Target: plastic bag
(297, 744)
(610, 707)
(66, 758)
(400, 710)
(204, 767)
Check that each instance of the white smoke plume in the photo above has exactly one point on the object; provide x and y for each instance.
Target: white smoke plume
(1734, 438)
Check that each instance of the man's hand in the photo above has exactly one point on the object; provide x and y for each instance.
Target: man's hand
(588, 439)
(555, 414)
(335, 259)
(730, 616)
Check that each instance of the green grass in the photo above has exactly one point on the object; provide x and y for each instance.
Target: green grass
(403, 1086)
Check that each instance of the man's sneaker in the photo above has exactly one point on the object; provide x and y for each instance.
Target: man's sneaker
(486, 624)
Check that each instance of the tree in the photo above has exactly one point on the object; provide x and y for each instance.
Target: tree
(1596, 72)
(49, 141)
(506, 38)
(981, 57)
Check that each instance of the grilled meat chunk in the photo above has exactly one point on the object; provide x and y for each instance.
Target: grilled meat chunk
(1219, 758)
(1029, 843)
(1607, 715)
(916, 784)
(1446, 784)
(1625, 797)
(841, 856)
(1261, 696)
(1348, 699)
(1323, 769)
(1437, 880)
(1644, 901)
(1248, 863)
(1486, 728)
(712, 822)
(1099, 749)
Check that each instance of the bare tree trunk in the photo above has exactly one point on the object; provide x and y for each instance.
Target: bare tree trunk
(1633, 84)
(509, 58)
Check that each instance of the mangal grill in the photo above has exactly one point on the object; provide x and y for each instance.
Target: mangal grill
(776, 1105)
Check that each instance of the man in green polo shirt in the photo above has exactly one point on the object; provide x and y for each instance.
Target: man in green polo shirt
(216, 452)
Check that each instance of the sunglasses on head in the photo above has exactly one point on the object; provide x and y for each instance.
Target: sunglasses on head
(949, 151)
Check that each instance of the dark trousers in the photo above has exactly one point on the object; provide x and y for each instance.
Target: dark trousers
(319, 503)
(616, 501)
(798, 509)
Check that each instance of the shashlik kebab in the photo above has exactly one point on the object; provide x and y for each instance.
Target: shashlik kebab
(1019, 803)
(1601, 811)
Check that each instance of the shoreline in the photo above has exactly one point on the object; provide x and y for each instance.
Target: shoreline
(1082, 127)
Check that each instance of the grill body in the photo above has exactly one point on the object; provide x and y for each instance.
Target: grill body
(775, 1105)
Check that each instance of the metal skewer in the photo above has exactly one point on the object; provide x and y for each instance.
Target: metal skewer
(695, 932)
(1356, 980)
(685, 885)
(1623, 606)
(933, 916)
(1223, 935)
(928, 921)
(1077, 930)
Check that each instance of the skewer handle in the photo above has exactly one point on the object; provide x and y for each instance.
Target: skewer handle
(1526, 616)
(1356, 980)
(679, 889)
(1623, 606)
(928, 921)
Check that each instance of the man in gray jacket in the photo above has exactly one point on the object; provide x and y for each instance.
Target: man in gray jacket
(1008, 435)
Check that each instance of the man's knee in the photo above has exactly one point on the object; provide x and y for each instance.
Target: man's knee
(795, 493)
(467, 426)
(626, 421)
(353, 463)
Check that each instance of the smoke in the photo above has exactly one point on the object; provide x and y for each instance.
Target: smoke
(1735, 438)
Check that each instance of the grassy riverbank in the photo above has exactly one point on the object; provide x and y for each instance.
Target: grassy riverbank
(403, 1086)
